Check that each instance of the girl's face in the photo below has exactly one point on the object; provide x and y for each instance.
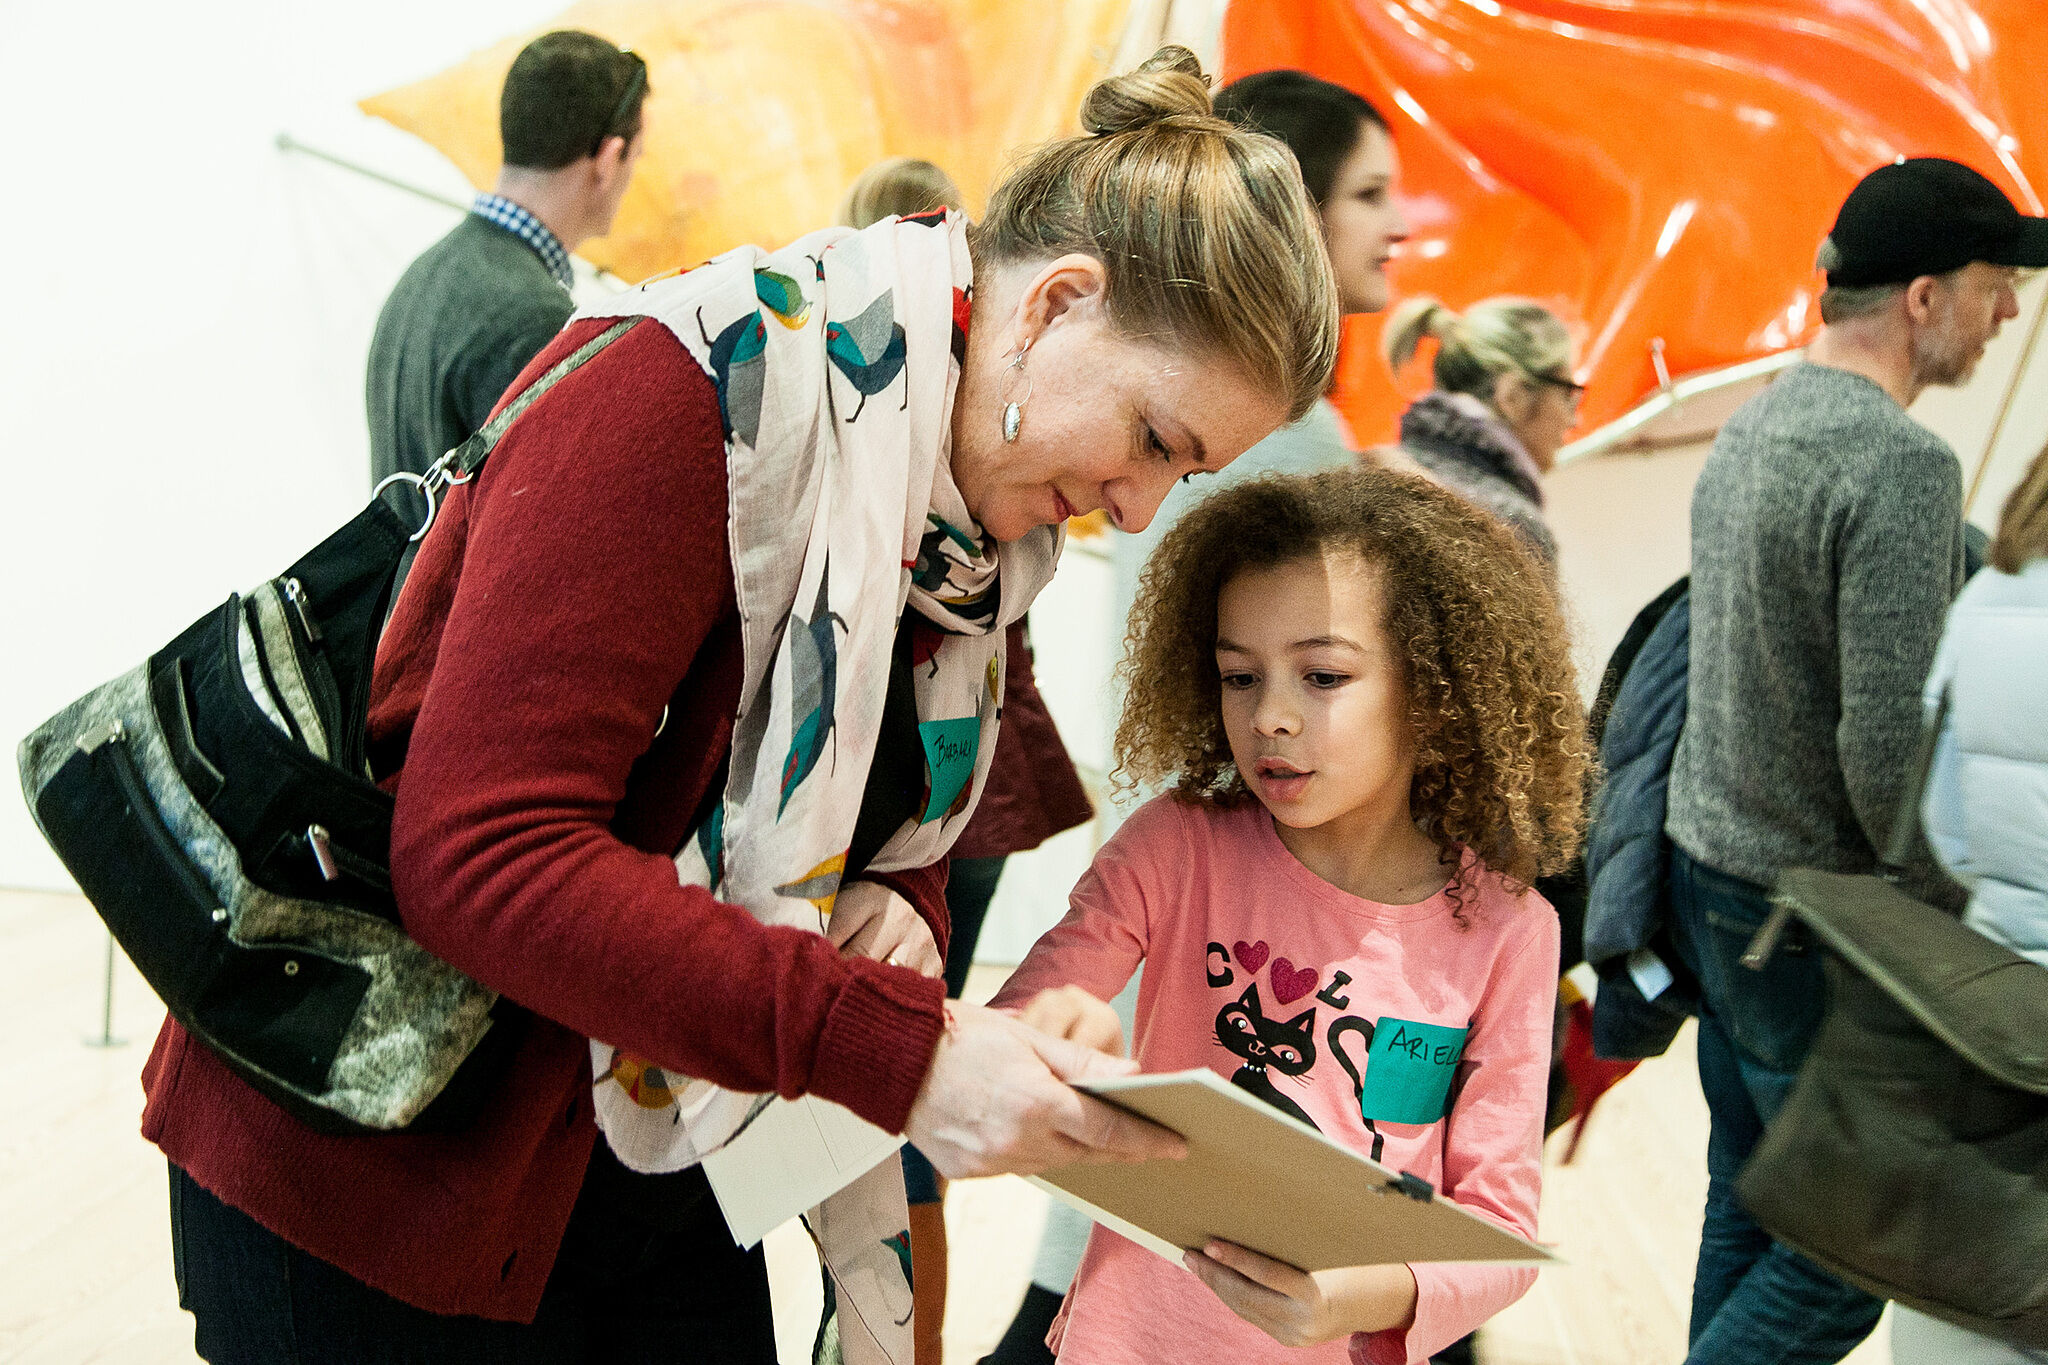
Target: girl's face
(1108, 421)
(1315, 704)
(1362, 221)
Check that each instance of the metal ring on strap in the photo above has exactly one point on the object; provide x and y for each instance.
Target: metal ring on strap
(426, 490)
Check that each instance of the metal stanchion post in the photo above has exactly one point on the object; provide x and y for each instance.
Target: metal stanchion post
(107, 1038)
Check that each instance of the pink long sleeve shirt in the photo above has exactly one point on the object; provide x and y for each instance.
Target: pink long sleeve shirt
(1392, 1028)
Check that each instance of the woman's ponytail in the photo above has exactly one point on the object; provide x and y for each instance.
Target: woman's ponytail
(1411, 321)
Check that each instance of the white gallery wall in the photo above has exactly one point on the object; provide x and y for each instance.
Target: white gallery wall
(181, 382)
(181, 373)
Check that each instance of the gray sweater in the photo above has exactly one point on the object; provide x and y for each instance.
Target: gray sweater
(459, 327)
(1827, 544)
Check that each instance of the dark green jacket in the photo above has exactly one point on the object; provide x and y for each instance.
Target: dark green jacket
(462, 323)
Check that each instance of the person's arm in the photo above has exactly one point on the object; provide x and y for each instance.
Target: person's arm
(1105, 933)
(1895, 570)
(595, 567)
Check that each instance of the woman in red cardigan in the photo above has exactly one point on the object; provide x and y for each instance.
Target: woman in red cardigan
(686, 696)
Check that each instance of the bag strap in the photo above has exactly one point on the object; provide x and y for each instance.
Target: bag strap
(460, 465)
(469, 457)
(1898, 849)
(1898, 846)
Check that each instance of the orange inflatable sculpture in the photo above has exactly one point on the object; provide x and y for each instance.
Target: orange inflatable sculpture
(763, 111)
(1657, 170)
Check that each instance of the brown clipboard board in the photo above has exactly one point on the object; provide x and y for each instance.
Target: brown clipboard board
(1271, 1183)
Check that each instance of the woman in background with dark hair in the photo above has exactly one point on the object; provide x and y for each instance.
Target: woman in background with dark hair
(1351, 169)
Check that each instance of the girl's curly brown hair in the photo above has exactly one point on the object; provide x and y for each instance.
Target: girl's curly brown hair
(1501, 747)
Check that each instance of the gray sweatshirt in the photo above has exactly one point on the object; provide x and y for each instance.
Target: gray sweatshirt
(1827, 544)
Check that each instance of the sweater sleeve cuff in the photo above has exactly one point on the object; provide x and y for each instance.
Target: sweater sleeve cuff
(878, 1042)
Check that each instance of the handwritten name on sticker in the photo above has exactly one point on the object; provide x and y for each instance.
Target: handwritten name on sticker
(1408, 1073)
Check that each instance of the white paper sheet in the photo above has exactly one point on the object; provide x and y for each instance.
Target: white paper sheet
(793, 1156)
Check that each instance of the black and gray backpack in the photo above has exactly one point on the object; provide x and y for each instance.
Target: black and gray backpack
(216, 806)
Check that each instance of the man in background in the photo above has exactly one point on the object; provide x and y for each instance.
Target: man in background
(1827, 543)
(481, 302)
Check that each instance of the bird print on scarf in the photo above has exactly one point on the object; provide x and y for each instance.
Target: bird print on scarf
(943, 550)
(783, 297)
(819, 886)
(645, 1082)
(869, 350)
(814, 686)
(739, 369)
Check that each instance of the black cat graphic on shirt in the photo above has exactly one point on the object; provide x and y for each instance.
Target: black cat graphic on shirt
(1269, 1047)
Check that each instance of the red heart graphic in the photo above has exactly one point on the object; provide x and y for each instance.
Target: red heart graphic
(1250, 956)
(1289, 985)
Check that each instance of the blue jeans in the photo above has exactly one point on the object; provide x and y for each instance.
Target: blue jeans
(1753, 1302)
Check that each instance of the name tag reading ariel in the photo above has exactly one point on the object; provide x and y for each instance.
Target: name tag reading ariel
(1408, 1071)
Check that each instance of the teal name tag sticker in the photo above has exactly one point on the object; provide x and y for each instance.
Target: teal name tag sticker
(1408, 1071)
(949, 750)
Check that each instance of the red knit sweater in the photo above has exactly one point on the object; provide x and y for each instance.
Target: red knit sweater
(580, 585)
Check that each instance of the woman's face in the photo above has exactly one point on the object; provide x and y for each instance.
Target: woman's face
(1362, 221)
(1541, 413)
(1110, 422)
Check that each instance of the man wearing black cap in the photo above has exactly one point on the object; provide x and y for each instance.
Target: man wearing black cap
(1827, 545)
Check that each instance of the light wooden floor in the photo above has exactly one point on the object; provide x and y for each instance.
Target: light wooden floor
(85, 1272)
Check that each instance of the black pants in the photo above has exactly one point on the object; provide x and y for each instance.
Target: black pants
(622, 1290)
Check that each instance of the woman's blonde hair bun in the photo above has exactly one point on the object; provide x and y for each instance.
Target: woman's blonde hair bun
(1170, 84)
(1209, 243)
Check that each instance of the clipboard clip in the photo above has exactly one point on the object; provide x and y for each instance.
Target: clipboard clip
(1412, 1185)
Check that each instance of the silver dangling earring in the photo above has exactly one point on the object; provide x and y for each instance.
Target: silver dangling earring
(1013, 402)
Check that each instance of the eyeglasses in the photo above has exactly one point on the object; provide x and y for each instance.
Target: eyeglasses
(1573, 389)
(635, 85)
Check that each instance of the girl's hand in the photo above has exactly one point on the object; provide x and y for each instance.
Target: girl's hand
(1296, 1308)
(1071, 1013)
(869, 920)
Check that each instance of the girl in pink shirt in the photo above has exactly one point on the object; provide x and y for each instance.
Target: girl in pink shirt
(1360, 693)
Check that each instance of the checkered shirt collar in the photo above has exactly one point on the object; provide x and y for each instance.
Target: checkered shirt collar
(498, 210)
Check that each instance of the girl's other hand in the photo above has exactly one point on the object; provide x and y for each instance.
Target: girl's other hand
(869, 920)
(1297, 1308)
(1071, 1013)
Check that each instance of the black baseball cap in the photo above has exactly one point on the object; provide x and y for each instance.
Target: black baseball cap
(1927, 216)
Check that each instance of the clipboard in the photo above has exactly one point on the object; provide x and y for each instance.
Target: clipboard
(1263, 1180)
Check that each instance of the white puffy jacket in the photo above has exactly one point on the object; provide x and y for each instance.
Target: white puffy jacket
(1986, 805)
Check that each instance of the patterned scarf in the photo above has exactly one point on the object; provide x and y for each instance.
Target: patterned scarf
(835, 360)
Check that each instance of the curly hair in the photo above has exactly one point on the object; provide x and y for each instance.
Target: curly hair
(1501, 747)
